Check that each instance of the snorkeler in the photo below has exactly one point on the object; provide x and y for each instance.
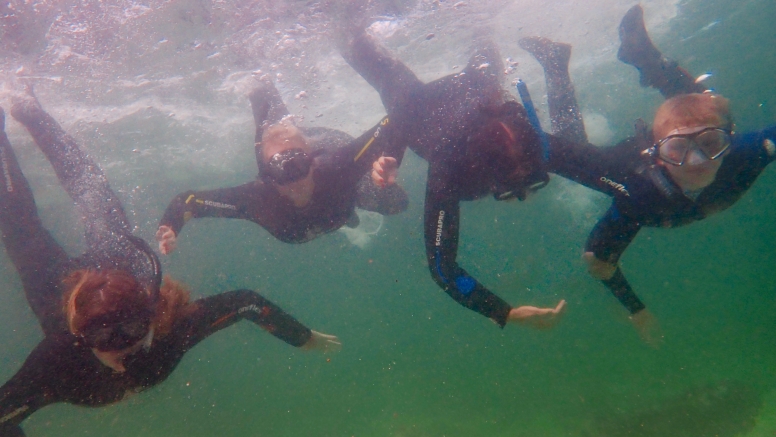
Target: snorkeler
(310, 180)
(111, 327)
(691, 164)
(475, 142)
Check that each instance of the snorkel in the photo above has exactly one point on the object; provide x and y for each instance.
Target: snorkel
(525, 96)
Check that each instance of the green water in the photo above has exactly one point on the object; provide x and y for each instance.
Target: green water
(416, 364)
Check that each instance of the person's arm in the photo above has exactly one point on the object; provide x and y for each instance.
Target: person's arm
(378, 144)
(606, 243)
(758, 144)
(441, 235)
(19, 398)
(213, 313)
(598, 169)
(29, 389)
(240, 202)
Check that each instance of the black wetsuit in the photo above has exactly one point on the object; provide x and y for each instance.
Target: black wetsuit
(60, 369)
(439, 121)
(645, 195)
(341, 173)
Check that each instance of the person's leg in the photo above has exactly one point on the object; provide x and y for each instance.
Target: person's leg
(554, 58)
(656, 71)
(387, 75)
(30, 246)
(80, 176)
(268, 108)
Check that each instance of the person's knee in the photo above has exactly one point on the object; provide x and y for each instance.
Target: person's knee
(599, 269)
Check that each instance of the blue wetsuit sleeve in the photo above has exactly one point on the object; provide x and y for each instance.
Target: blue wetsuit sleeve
(608, 240)
(612, 235)
(762, 142)
(441, 235)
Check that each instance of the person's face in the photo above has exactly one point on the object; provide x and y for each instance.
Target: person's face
(290, 171)
(697, 169)
(299, 191)
(115, 359)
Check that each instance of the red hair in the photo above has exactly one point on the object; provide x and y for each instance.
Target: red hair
(691, 110)
(507, 141)
(92, 294)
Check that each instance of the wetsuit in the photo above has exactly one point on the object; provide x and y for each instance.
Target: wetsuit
(60, 369)
(643, 193)
(340, 172)
(439, 122)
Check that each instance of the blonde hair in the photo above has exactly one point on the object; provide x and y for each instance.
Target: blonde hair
(691, 110)
(282, 136)
(93, 293)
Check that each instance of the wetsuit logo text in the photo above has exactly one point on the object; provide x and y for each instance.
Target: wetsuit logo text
(440, 224)
(6, 172)
(251, 307)
(619, 187)
(217, 204)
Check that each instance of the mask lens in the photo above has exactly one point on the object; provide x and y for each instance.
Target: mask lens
(710, 142)
(673, 150)
(713, 143)
(287, 166)
(115, 336)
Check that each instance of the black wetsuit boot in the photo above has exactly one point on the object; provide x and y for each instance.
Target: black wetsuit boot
(656, 71)
(554, 58)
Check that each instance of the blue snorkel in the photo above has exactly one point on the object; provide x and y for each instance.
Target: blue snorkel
(525, 96)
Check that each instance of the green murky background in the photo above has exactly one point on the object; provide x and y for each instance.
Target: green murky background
(416, 364)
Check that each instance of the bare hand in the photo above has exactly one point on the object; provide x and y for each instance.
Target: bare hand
(597, 268)
(384, 171)
(538, 318)
(648, 328)
(322, 342)
(167, 239)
